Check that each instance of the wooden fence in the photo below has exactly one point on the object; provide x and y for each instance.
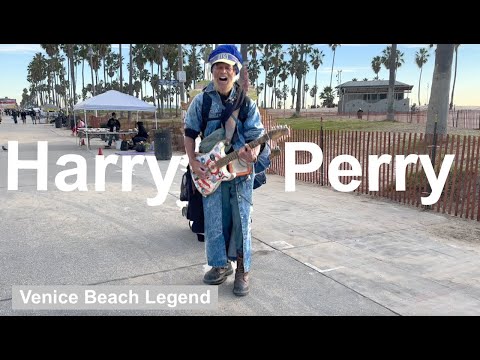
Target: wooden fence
(460, 195)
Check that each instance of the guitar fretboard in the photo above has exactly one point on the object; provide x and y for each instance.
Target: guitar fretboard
(234, 155)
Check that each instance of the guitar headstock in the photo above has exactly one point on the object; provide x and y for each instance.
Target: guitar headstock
(279, 131)
(275, 152)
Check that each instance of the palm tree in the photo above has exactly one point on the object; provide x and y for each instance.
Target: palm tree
(51, 50)
(292, 66)
(391, 83)
(454, 76)
(421, 58)
(130, 79)
(327, 96)
(316, 59)
(438, 103)
(376, 65)
(244, 70)
(334, 48)
(299, 74)
(398, 61)
(130, 71)
(205, 51)
(253, 73)
(121, 67)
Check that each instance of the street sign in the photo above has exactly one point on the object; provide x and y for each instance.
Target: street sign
(181, 76)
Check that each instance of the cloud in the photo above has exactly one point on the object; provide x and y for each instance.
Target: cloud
(20, 48)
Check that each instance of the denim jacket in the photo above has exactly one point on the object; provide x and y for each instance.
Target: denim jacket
(247, 131)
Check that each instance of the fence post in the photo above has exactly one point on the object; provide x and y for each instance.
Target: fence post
(321, 147)
(432, 159)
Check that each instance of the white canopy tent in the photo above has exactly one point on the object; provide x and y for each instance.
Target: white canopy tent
(114, 100)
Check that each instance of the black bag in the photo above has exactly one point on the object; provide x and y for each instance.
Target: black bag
(185, 186)
(124, 145)
(194, 209)
(140, 148)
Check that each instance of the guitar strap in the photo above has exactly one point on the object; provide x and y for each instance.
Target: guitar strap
(230, 125)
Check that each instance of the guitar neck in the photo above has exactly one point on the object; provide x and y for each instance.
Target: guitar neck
(234, 155)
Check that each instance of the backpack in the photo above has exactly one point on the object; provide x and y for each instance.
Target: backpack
(140, 148)
(263, 158)
(124, 145)
(194, 209)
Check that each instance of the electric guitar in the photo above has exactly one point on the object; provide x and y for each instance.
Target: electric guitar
(221, 167)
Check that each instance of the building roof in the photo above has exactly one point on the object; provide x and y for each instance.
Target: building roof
(373, 83)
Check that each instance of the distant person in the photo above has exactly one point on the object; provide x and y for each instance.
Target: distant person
(142, 134)
(80, 124)
(113, 125)
(359, 113)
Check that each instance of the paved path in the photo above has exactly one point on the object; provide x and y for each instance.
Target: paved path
(316, 251)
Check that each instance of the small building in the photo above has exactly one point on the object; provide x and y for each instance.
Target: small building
(371, 96)
(6, 103)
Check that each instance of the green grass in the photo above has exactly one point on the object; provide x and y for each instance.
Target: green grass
(341, 124)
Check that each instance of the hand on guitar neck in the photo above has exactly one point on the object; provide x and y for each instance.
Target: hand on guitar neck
(214, 167)
(248, 154)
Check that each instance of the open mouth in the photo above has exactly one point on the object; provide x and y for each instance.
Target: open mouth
(223, 79)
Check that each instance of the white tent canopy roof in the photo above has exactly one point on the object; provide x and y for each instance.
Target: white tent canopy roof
(114, 100)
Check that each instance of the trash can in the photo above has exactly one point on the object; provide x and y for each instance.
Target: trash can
(163, 144)
(58, 122)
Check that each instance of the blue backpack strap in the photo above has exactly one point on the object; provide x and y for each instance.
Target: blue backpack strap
(243, 113)
(206, 104)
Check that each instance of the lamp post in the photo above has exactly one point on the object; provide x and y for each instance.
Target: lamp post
(90, 53)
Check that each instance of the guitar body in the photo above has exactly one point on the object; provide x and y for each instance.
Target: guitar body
(215, 175)
(222, 167)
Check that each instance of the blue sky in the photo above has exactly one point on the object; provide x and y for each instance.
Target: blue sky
(353, 60)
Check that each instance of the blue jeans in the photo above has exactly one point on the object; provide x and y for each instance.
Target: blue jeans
(110, 138)
(227, 213)
(232, 226)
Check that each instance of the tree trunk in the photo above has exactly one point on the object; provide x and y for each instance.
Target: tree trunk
(331, 72)
(299, 83)
(454, 77)
(419, 81)
(130, 80)
(244, 71)
(72, 73)
(121, 66)
(391, 84)
(438, 103)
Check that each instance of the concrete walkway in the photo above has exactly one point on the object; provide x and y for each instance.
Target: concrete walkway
(316, 251)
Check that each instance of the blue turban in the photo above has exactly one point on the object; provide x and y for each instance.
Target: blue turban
(228, 54)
